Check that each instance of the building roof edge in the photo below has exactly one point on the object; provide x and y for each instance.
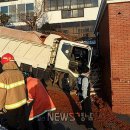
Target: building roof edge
(100, 13)
(102, 9)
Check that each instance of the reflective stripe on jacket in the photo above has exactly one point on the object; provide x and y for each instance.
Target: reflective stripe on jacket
(12, 87)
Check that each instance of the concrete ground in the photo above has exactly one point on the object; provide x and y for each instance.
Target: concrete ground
(125, 118)
(67, 126)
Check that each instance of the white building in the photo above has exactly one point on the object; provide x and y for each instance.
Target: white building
(76, 17)
(72, 16)
(19, 10)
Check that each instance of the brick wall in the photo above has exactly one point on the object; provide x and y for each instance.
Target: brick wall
(117, 20)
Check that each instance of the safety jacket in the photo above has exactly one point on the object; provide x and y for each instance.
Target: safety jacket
(42, 101)
(12, 87)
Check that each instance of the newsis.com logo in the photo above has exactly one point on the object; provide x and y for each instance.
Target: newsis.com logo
(67, 117)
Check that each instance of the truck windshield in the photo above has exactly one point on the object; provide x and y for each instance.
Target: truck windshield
(79, 57)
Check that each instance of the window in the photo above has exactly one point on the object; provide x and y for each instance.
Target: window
(74, 4)
(71, 4)
(12, 9)
(76, 28)
(53, 5)
(73, 13)
(29, 7)
(30, 16)
(79, 57)
(21, 12)
(48, 5)
(67, 4)
(66, 14)
(12, 13)
(29, 11)
(80, 54)
(88, 3)
(91, 3)
(80, 12)
(94, 3)
(80, 3)
(4, 9)
(21, 8)
(60, 4)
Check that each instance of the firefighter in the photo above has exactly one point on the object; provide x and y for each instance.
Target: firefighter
(12, 93)
(40, 101)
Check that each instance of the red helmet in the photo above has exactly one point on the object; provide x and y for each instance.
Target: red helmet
(7, 58)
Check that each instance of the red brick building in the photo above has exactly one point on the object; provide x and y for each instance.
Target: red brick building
(113, 39)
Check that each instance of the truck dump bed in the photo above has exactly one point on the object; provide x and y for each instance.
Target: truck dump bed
(27, 47)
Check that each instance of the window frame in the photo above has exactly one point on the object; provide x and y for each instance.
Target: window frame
(27, 8)
(12, 12)
(7, 7)
(63, 6)
(72, 13)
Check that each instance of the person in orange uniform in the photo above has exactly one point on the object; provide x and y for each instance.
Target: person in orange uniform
(42, 102)
(12, 93)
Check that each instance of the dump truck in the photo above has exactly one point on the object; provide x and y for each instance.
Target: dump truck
(51, 56)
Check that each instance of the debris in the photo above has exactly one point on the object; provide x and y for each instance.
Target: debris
(103, 117)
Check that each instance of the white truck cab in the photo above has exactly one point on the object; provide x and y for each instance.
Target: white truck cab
(70, 55)
(67, 56)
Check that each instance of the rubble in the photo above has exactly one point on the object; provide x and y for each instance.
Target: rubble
(103, 117)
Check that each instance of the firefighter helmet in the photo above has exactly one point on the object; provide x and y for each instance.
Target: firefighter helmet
(7, 58)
